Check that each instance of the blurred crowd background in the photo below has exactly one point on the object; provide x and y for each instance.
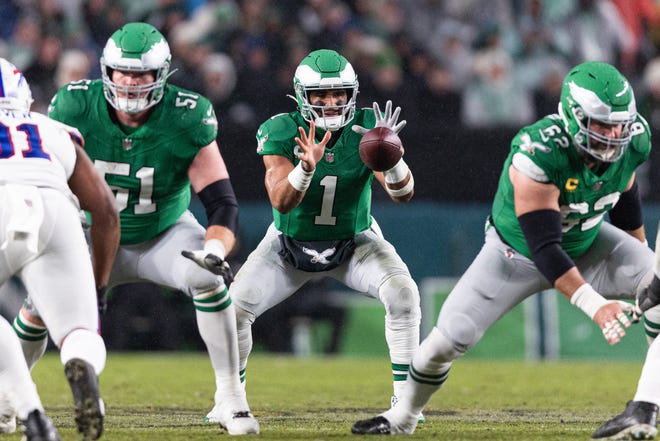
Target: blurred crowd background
(473, 63)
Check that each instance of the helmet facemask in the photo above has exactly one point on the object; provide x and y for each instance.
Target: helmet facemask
(326, 70)
(15, 93)
(136, 47)
(597, 92)
(601, 147)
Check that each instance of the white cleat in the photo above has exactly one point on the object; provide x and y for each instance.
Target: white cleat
(421, 419)
(236, 422)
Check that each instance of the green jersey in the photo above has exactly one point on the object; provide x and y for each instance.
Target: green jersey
(544, 152)
(337, 204)
(147, 168)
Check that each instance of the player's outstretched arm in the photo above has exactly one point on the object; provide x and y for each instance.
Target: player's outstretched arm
(96, 198)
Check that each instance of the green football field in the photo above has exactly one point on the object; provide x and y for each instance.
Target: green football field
(164, 396)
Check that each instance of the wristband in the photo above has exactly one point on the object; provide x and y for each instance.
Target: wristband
(215, 246)
(399, 192)
(299, 178)
(588, 300)
(397, 173)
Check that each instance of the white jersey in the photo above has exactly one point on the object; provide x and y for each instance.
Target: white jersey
(41, 239)
(36, 151)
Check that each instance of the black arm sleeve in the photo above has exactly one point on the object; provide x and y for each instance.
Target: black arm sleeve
(627, 213)
(221, 205)
(542, 231)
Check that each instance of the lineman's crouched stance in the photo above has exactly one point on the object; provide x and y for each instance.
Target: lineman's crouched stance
(375, 269)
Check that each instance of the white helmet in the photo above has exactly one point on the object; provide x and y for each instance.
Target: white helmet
(15, 91)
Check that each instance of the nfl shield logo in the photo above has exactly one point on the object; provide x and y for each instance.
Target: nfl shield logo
(597, 185)
(127, 143)
(330, 157)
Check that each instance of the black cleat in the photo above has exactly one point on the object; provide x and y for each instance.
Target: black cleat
(378, 425)
(637, 422)
(87, 402)
(38, 427)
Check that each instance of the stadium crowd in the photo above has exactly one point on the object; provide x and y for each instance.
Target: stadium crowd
(475, 63)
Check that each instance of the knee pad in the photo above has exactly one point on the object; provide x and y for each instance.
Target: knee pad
(400, 296)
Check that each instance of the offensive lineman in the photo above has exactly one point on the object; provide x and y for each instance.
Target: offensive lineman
(45, 178)
(320, 192)
(563, 173)
(152, 141)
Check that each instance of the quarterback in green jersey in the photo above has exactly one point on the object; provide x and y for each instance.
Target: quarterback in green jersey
(320, 192)
(547, 230)
(152, 142)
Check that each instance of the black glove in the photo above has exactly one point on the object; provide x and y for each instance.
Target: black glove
(102, 299)
(647, 299)
(211, 262)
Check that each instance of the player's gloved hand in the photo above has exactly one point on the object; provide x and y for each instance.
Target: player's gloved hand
(647, 299)
(389, 120)
(613, 318)
(102, 299)
(212, 258)
(609, 315)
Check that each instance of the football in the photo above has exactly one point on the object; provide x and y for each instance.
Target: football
(380, 149)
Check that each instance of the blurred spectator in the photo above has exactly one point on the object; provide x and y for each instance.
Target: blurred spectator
(649, 99)
(41, 72)
(151, 11)
(52, 19)
(438, 101)
(256, 87)
(548, 92)
(23, 45)
(74, 65)
(211, 23)
(8, 18)
(638, 16)
(594, 32)
(219, 85)
(188, 57)
(493, 97)
(533, 45)
(102, 18)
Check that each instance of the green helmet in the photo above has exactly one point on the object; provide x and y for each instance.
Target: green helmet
(135, 47)
(597, 91)
(322, 70)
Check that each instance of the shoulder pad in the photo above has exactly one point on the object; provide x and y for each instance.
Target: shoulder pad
(641, 140)
(71, 99)
(280, 126)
